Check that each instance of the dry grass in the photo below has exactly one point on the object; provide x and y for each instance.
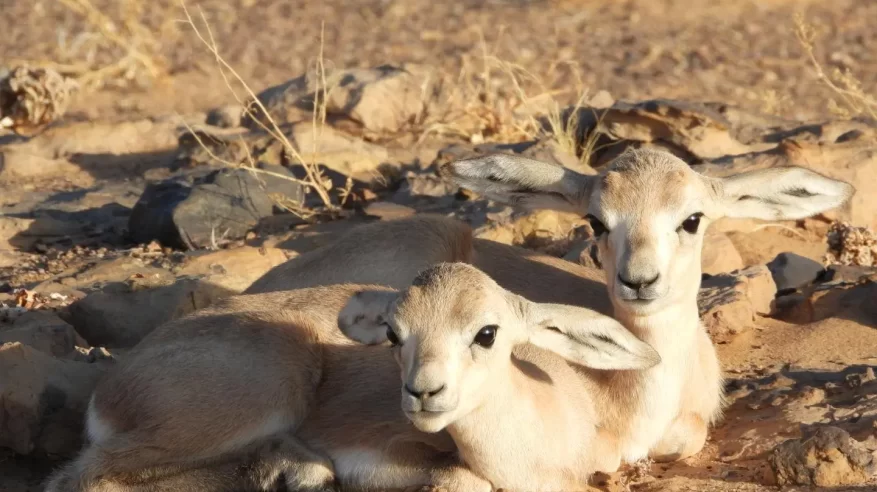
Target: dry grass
(849, 245)
(494, 100)
(851, 100)
(119, 50)
(314, 180)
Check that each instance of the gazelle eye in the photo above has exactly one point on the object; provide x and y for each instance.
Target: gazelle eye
(692, 223)
(598, 227)
(486, 336)
(391, 335)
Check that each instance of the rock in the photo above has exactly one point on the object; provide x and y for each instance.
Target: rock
(848, 274)
(384, 99)
(343, 153)
(419, 187)
(228, 116)
(23, 233)
(321, 145)
(792, 271)
(692, 131)
(547, 231)
(728, 303)
(222, 205)
(286, 102)
(719, 254)
(43, 331)
(544, 150)
(122, 314)
(81, 217)
(827, 458)
(585, 253)
(43, 400)
(838, 291)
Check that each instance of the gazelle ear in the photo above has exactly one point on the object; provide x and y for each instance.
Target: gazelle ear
(587, 337)
(364, 317)
(524, 182)
(783, 193)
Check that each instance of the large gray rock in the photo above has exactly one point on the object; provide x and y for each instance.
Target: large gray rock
(793, 271)
(224, 204)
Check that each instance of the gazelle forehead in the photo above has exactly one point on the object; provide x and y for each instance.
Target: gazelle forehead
(647, 182)
(446, 297)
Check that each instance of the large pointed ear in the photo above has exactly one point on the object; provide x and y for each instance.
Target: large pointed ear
(783, 193)
(364, 317)
(523, 182)
(587, 337)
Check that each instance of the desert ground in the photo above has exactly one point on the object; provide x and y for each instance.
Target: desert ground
(155, 159)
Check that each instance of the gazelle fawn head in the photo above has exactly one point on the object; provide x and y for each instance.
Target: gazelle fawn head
(649, 211)
(453, 331)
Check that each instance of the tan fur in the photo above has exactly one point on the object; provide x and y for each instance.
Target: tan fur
(258, 385)
(434, 238)
(643, 197)
(519, 414)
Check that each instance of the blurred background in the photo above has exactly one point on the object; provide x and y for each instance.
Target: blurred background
(140, 58)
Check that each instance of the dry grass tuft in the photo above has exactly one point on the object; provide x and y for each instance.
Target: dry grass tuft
(314, 180)
(493, 100)
(32, 98)
(120, 50)
(851, 100)
(849, 245)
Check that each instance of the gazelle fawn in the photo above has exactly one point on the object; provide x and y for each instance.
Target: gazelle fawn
(257, 386)
(483, 363)
(649, 211)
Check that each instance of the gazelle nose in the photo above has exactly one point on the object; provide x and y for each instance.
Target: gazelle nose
(637, 284)
(424, 394)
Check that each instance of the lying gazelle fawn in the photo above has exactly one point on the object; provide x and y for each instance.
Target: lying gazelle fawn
(482, 363)
(231, 397)
(234, 395)
(649, 211)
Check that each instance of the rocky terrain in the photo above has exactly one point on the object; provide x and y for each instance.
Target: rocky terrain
(140, 181)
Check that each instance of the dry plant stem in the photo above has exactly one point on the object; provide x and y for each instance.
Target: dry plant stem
(313, 173)
(855, 100)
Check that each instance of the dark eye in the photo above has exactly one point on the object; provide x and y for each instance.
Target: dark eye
(486, 336)
(692, 223)
(598, 227)
(391, 335)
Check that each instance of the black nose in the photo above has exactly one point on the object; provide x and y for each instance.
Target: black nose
(637, 284)
(424, 394)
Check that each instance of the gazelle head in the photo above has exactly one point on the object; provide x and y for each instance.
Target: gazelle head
(649, 211)
(453, 331)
